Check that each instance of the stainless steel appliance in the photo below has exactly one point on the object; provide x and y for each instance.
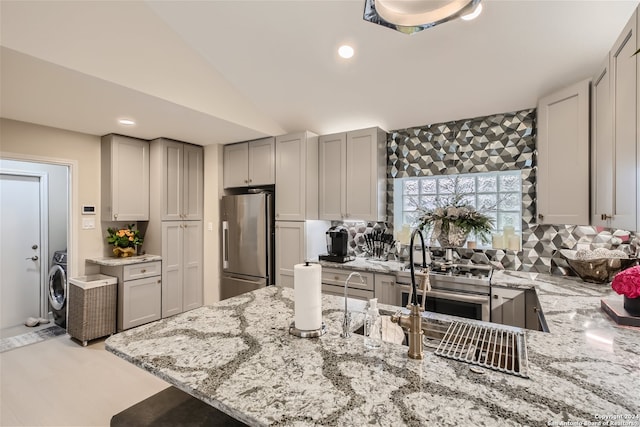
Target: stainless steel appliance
(337, 245)
(462, 290)
(247, 243)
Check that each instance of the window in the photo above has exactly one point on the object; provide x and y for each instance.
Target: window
(498, 194)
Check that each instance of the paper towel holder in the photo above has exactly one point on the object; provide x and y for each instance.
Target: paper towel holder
(313, 333)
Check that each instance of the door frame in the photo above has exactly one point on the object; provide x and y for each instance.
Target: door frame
(43, 182)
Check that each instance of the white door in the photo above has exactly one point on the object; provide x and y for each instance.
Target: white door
(20, 249)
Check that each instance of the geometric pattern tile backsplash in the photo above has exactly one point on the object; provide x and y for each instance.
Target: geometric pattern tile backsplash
(485, 144)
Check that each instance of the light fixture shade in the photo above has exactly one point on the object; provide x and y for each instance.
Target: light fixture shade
(411, 16)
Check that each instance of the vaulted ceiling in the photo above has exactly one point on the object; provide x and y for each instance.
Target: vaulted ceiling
(223, 71)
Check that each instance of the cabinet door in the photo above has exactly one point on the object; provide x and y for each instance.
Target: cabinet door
(563, 156)
(365, 176)
(129, 178)
(601, 147)
(290, 250)
(624, 90)
(141, 302)
(386, 289)
(192, 262)
(193, 178)
(332, 181)
(172, 180)
(172, 267)
(508, 306)
(235, 168)
(262, 162)
(290, 177)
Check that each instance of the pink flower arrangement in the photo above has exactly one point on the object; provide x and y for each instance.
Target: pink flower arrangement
(627, 282)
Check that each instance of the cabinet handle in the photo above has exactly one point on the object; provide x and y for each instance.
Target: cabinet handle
(605, 217)
(540, 216)
(495, 297)
(336, 278)
(277, 215)
(115, 216)
(144, 270)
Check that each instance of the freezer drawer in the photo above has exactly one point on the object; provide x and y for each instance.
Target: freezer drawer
(234, 285)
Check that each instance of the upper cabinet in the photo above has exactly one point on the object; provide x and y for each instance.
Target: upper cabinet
(125, 178)
(352, 175)
(249, 164)
(297, 177)
(614, 146)
(179, 169)
(563, 156)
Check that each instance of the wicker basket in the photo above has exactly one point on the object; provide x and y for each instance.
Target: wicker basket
(92, 307)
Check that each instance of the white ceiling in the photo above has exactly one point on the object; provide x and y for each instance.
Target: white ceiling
(224, 71)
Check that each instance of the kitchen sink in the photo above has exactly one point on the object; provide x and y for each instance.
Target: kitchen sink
(498, 347)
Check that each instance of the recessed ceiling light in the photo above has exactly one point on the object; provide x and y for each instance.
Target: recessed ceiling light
(474, 14)
(345, 51)
(126, 122)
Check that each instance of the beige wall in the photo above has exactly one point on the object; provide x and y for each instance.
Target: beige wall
(212, 195)
(25, 141)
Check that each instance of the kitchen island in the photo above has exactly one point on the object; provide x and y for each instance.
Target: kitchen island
(238, 356)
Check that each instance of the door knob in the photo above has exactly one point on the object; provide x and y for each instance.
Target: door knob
(33, 258)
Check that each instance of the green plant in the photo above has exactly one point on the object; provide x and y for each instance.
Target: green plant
(124, 237)
(454, 211)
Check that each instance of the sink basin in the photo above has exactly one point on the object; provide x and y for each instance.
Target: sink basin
(492, 346)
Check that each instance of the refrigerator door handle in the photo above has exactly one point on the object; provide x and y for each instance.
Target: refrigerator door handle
(225, 244)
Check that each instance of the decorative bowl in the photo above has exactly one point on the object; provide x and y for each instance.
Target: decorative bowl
(599, 270)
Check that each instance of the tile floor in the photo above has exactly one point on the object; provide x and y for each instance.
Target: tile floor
(58, 382)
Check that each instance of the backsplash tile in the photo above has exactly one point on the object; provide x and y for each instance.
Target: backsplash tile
(485, 144)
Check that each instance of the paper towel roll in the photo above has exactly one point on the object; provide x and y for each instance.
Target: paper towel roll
(307, 284)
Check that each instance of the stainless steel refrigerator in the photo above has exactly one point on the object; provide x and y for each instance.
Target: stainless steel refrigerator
(247, 243)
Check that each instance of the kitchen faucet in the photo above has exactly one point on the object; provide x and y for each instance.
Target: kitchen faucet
(346, 321)
(413, 321)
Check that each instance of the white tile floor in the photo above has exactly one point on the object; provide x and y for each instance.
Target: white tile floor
(58, 382)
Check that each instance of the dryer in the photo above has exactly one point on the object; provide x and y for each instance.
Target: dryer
(58, 288)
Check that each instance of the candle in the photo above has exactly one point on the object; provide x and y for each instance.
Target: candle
(508, 231)
(471, 245)
(307, 284)
(514, 242)
(497, 241)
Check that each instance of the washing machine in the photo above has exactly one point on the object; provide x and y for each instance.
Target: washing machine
(58, 288)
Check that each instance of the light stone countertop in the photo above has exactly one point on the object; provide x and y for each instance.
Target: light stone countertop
(238, 356)
(116, 261)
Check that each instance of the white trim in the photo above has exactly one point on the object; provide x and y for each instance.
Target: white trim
(43, 203)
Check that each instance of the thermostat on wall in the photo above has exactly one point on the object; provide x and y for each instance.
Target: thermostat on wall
(88, 210)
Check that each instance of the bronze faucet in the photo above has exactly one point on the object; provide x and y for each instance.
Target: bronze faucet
(413, 321)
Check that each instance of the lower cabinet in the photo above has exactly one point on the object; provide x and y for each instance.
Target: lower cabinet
(181, 266)
(290, 250)
(139, 293)
(508, 306)
(333, 283)
(386, 289)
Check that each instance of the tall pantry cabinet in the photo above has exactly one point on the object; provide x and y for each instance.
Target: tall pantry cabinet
(175, 224)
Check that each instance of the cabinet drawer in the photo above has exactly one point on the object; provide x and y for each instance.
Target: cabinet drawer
(139, 271)
(332, 276)
(352, 293)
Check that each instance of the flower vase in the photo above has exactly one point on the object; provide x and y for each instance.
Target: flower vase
(632, 305)
(451, 236)
(124, 252)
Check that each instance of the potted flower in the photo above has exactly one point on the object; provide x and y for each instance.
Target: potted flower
(627, 283)
(452, 220)
(124, 240)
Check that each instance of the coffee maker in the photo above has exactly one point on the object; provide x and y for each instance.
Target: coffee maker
(337, 245)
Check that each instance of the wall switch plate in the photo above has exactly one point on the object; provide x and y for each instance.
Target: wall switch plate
(210, 226)
(88, 223)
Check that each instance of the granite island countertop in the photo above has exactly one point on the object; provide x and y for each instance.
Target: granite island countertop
(117, 261)
(238, 356)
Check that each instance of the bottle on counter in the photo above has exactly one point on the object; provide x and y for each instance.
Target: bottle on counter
(373, 325)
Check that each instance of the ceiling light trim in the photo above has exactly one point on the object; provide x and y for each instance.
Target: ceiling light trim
(385, 13)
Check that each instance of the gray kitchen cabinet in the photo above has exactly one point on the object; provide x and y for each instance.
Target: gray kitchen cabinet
(178, 171)
(290, 246)
(333, 283)
(125, 178)
(296, 177)
(182, 282)
(563, 156)
(249, 164)
(139, 292)
(508, 306)
(386, 289)
(615, 126)
(352, 175)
